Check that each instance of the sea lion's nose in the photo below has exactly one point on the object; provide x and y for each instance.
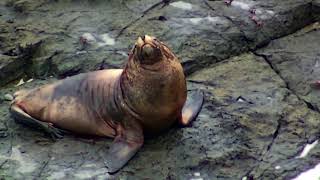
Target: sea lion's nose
(147, 51)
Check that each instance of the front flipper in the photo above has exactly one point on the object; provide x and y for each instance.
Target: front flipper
(22, 117)
(125, 145)
(192, 107)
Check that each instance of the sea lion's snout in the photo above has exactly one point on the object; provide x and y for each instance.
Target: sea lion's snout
(147, 50)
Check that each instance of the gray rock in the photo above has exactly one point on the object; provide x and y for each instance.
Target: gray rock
(316, 9)
(296, 58)
(249, 117)
(8, 97)
(271, 125)
(10, 69)
(277, 18)
(259, 110)
(200, 32)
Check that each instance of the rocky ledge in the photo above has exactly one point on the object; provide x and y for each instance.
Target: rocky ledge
(256, 61)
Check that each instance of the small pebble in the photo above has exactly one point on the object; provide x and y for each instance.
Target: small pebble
(3, 134)
(30, 80)
(10, 21)
(8, 97)
(277, 167)
(315, 84)
(197, 174)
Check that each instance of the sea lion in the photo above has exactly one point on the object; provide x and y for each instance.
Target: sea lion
(146, 97)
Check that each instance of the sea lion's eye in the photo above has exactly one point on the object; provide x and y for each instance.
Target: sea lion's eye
(156, 40)
(156, 43)
(134, 48)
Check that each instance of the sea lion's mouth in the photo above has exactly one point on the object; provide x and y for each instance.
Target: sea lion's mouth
(147, 50)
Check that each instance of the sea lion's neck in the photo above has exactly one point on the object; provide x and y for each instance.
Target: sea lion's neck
(156, 90)
(156, 96)
(130, 85)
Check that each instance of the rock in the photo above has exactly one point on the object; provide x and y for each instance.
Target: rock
(205, 32)
(24, 6)
(278, 18)
(8, 97)
(193, 31)
(16, 58)
(259, 112)
(296, 59)
(10, 68)
(3, 134)
(271, 119)
(3, 131)
(200, 32)
(265, 129)
(316, 9)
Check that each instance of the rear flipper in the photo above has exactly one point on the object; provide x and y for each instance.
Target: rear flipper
(192, 107)
(22, 117)
(126, 144)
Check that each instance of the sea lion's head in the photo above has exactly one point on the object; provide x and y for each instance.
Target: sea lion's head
(149, 50)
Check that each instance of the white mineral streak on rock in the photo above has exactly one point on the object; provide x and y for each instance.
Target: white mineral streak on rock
(270, 12)
(122, 53)
(307, 149)
(311, 174)
(99, 40)
(242, 5)
(182, 5)
(208, 19)
(196, 174)
(106, 40)
(196, 20)
(90, 174)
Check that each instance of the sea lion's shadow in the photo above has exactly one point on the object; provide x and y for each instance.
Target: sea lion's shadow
(164, 141)
(173, 136)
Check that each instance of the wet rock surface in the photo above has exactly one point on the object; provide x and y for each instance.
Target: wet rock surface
(267, 121)
(297, 62)
(260, 108)
(316, 9)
